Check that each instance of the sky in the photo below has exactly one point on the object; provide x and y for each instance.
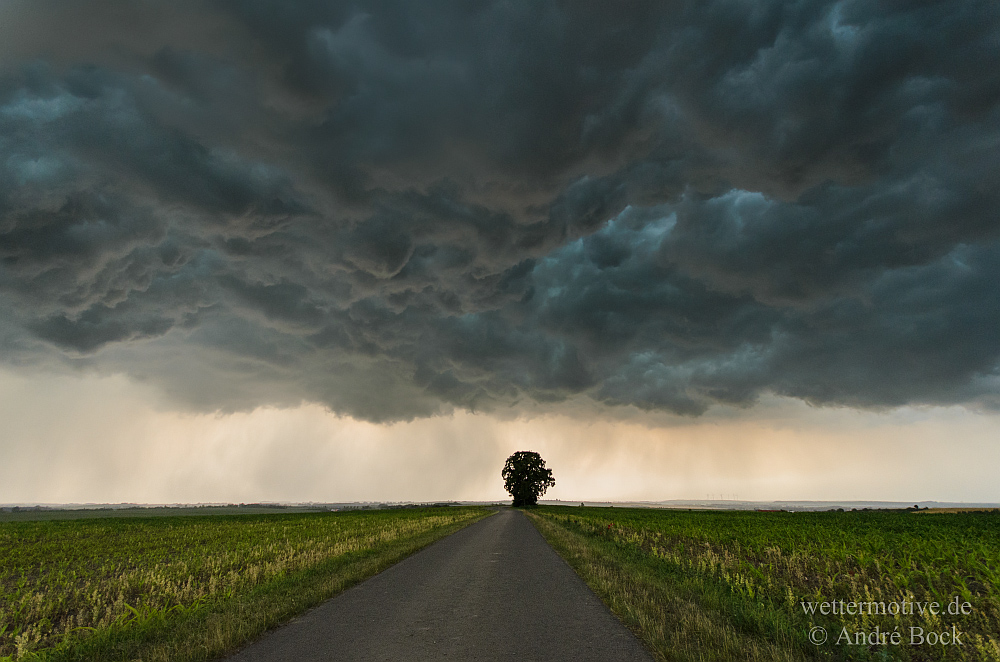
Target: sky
(334, 251)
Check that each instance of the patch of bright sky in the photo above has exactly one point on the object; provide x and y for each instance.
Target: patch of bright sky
(107, 439)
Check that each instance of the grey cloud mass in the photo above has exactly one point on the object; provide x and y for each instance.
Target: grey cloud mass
(396, 209)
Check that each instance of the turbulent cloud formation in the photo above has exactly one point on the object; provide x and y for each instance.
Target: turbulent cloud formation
(398, 209)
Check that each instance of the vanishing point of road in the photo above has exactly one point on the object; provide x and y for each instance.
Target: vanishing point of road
(493, 591)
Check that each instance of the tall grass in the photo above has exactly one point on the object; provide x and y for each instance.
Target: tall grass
(730, 585)
(187, 588)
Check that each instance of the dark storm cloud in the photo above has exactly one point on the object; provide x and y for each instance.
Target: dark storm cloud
(395, 210)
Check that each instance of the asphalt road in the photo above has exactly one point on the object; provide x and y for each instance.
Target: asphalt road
(493, 591)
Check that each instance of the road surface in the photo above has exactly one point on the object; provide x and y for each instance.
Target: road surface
(493, 591)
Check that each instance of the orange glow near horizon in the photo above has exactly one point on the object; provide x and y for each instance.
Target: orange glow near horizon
(109, 440)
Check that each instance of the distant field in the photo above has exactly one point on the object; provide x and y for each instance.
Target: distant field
(710, 585)
(958, 510)
(32, 515)
(188, 588)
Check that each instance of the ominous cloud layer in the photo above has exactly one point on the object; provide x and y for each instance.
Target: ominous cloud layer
(397, 209)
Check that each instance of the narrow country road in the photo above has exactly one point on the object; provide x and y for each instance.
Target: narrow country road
(493, 591)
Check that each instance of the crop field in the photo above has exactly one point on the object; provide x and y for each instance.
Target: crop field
(738, 585)
(188, 588)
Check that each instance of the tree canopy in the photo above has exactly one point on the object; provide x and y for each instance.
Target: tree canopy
(525, 477)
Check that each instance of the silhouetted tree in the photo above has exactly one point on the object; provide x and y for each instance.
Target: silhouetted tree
(526, 478)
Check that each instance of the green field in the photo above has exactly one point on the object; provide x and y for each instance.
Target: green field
(188, 588)
(37, 515)
(730, 585)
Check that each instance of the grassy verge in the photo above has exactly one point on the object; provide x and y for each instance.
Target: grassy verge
(731, 586)
(199, 589)
(677, 617)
